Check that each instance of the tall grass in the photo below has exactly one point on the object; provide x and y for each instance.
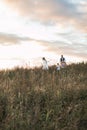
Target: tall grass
(35, 99)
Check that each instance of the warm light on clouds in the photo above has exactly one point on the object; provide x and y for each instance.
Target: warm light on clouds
(52, 11)
(31, 29)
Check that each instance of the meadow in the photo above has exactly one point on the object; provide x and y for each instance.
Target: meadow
(36, 99)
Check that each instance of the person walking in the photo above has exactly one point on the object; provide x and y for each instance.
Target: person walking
(44, 64)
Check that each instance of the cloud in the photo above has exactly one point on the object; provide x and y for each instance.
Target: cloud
(53, 11)
(10, 39)
(57, 47)
(6, 39)
(60, 47)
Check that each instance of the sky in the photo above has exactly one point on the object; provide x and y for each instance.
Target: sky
(32, 29)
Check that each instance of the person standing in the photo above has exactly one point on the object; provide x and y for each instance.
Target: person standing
(44, 64)
(58, 67)
(62, 61)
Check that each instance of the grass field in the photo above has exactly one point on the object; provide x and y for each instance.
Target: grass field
(35, 99)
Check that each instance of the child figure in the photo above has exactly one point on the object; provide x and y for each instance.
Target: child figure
(58, 67)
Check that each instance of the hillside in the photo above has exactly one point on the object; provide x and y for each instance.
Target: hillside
(35, 99)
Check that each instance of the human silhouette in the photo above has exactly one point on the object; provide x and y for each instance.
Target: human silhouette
(62, 61)
(44, 64)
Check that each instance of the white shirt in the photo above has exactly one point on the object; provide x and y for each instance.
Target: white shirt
(45, 65)
(58, 67)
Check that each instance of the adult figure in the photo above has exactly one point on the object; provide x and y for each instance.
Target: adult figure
(45, 64)
(62, 62)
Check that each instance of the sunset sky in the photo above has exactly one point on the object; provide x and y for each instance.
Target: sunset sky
(32, 29)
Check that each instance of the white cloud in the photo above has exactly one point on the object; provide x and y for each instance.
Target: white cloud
(52, 11)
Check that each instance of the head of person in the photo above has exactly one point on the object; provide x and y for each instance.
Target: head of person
(43, 58)
(61, 56)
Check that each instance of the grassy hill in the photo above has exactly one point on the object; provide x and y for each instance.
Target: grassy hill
(35, 99)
